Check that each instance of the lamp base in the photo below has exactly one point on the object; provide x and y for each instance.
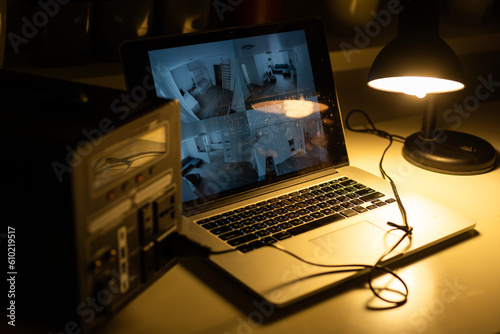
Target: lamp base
(450, 152)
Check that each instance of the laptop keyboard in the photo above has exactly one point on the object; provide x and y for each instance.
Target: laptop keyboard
(283, 217)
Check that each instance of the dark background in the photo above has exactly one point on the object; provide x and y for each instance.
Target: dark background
(79, 40)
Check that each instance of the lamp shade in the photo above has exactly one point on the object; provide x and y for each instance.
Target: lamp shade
(418, 62)
(416, 65)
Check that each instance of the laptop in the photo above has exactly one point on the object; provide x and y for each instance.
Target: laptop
(264, 159)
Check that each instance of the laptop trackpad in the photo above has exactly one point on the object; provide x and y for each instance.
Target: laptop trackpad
(361, 243)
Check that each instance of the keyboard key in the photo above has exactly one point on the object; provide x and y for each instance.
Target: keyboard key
(256, 211)
(203, 221)
(342, 198)
(307, 218)
(296, 222)
(230, 235)
(209, 226)
(337, 208)
(333, 202)
(348, 213)
(341, 192)
(245, 248)
(256, 244)
(365, 191)
(312, 201)
(285, 226)
(359, 209)
(292, 207)
(271, 214)
(303, 212)
(313, 208)
(222, 222)
(247, 222)
(274, 229)
(327, 212)
(271, 222)
(282, 211)
(298, 199)
(282, 236)
(220, 230)
(371, 197)
(242, 240)
(236, 225)
(315, 224)
(262, 233)
(348, 183)
(247, 229)
(323, 205)
(259, 226)
(317, 215)
(268, 240)
(245, 214)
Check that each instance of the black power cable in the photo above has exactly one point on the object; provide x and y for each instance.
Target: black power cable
(406, 228)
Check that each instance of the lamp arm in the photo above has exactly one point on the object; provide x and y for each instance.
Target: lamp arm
(430, 116)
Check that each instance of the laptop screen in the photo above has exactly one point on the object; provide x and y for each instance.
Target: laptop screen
(252, 110)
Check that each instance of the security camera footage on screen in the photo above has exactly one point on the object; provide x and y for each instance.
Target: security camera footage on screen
(249, 110)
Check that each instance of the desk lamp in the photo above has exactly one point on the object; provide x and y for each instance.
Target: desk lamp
(418, 62)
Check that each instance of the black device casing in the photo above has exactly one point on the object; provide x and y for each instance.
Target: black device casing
(82, 251)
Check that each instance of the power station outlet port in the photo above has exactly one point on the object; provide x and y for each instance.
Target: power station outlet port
(146, 224)
(164, 249)
(123, 263)
(164, 209)
(148, 262)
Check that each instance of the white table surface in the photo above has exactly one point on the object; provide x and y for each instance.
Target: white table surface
(452, 289)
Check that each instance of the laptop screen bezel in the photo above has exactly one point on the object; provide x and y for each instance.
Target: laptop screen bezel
(139, 80)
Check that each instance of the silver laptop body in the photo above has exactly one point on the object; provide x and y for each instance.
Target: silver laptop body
(278, 134)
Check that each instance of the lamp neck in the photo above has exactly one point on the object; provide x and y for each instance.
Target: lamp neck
(419, 17)
(430, 117)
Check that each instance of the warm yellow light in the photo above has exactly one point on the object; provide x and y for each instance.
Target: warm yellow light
(418, 86)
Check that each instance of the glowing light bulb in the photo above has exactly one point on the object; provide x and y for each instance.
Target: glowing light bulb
(418, 86)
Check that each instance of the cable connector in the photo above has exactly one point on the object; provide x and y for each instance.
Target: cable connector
(182, 246)
(407, 229)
